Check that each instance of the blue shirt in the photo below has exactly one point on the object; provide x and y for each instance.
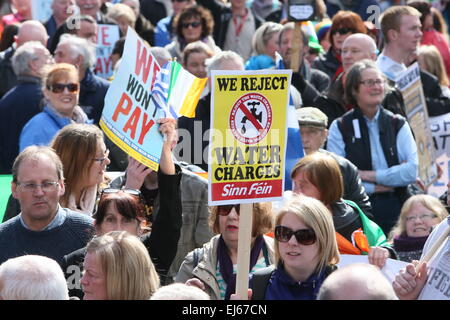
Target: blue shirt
(41, 129)
(396, 176)
(163, 34)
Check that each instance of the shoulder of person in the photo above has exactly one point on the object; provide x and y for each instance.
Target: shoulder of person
(78, 218)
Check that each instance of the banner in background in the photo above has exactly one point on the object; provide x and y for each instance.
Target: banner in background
(440, 129)
(107, 35)
(410, 85)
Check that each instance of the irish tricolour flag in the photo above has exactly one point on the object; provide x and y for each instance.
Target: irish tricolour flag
(177, 91)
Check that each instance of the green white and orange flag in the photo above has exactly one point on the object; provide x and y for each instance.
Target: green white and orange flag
(178, 90)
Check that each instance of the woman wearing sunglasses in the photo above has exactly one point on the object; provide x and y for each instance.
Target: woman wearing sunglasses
(61, 90)
(343, 24)
(194, 23)
(318, 176)
(212, 268)
(305, 253)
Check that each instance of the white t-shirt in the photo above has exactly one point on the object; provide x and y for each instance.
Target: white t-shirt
(390, 67)
(438, 282)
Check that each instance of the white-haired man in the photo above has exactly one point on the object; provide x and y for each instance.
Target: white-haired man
(32, 277)
(23, 101)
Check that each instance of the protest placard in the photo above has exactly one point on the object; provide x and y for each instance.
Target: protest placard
(389, 270)
(410, 85)
(130, 112)
(247, 147)
(248, 140)
(440, 130)
(107, 35)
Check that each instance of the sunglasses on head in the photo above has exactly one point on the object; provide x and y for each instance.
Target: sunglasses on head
(303, 236)
(194, 24)
(343, 31)
(59, 87)
(133, 192)
(226, 209)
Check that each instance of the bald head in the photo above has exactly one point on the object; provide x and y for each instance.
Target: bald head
(31, 30)
(356, 47)
(357, 281)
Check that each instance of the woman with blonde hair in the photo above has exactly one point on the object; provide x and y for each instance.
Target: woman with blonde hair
(123, 15)
(264, 44)
(85, 158)
(117, 266)
(61, 89)
(212, 268)
(318, 175)
(418, 216)
(430, 60)
(306, 252)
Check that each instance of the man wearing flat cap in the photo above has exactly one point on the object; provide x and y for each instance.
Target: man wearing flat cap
(313, 128)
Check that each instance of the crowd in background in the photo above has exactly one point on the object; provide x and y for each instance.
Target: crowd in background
(86, 221)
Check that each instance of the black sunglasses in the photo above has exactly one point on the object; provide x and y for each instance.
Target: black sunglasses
(304, 236)
(343, 31)
(59, 87)
(226, 209)
(194, 24)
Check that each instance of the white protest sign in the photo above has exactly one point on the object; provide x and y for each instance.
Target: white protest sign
(440, 130)
(107, 36)
(390, 269)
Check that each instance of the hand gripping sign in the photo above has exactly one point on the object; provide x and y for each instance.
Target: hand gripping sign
(247, 147)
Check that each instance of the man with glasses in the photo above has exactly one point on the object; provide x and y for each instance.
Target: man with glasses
(42, 227)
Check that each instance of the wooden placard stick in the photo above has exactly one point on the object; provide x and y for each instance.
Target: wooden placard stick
(296, 44)
(434, 248)
(244, 249)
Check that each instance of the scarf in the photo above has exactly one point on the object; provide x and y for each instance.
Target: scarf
(87, 201)
(340, 69)
(226, 266)
(404, 243)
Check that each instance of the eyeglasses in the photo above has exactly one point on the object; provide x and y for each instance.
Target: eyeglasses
(372, 82)
(101, 160)
(226, 209)
(47, 186)
(194, 24)
(304, 236)
(59, 87)
(423, 217)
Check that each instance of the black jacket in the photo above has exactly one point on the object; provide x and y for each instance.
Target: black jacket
(9, 78)
(353, 187)
(161, 242)
(310, 83)
(327, 63)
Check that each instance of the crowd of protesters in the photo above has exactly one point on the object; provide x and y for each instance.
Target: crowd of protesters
(82, 210)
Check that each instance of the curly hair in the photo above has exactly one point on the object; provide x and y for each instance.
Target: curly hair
(194, 12)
